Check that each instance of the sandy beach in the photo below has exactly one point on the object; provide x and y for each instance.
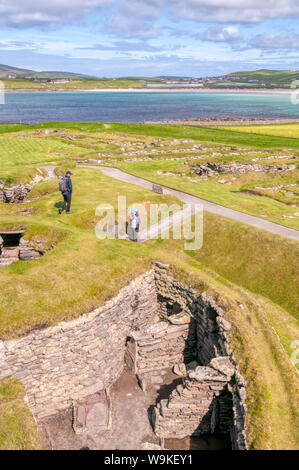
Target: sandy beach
(276, 91)
(261, 91)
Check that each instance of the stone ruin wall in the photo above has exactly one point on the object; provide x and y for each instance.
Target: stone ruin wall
(15, 194)
(212, 395)
(18, 193)
(154, 323)
(72, 360)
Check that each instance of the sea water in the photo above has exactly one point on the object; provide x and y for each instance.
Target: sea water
(34, 107)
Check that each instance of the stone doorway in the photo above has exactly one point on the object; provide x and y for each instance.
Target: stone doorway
(10, 247)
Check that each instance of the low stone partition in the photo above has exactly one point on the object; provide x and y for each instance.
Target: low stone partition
(163, 345)
(204, 404)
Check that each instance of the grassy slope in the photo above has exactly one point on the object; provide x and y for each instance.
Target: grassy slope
(272, 391)
(223, 252)
(20, 156)
(262, 332)
(17, 426)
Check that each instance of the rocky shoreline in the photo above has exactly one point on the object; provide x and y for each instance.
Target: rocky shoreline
(228, 121)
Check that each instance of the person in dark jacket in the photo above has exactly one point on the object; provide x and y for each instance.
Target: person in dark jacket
(67, 194)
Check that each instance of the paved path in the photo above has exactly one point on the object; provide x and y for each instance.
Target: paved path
(50, 169)
(166, 223)
(207, 206)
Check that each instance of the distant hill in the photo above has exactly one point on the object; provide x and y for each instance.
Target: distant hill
(268, 77)
(256, 79)
(70, 75)
(7, 70)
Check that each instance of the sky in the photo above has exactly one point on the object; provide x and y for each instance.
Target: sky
(119, 38)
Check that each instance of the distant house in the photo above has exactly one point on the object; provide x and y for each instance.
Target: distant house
(11, 75)
(59, 80)
(174, 85)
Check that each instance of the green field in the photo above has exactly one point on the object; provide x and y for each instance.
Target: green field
(282, 130)
(21, 84)
(237, 264)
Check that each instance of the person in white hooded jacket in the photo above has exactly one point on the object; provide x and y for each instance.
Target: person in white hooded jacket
(134, 225)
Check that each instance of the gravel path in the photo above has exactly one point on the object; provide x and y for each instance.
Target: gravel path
(207, 206)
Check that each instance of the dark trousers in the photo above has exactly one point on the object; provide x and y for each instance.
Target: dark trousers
(67, 202)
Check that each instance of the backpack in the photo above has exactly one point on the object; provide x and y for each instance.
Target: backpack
(62, 184)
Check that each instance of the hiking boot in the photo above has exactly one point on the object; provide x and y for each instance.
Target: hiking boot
(70, 212)
(59, 210)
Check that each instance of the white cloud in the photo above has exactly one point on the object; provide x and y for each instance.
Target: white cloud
(236, 11)
(221, 34)
(130, 27)
(275, 41)
(30, 13)
(143, 13)
(147, 9)
(135, 18)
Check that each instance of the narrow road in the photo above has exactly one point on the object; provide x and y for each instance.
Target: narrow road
(207, 206)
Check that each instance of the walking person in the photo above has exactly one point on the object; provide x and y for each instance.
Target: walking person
(134, 224)
(66, 188)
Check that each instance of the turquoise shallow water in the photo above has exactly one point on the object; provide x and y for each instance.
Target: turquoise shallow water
(138, 107)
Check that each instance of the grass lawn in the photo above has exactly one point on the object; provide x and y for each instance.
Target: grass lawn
(236, 265)
(22, 153)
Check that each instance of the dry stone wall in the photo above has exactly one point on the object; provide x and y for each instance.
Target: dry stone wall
(15, 194)
(75, 359)
(163, 345)
(201, 405)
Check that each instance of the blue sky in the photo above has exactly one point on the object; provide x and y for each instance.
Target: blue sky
(150, 37)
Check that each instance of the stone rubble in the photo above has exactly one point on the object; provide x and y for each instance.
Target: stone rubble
(213, 169)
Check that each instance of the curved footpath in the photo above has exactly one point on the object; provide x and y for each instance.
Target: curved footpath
(207, 206)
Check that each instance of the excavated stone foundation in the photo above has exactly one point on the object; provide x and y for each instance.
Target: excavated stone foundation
(13, 247)
(155, 330)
